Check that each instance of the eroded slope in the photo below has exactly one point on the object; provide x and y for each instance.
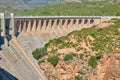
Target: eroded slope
(77, 55)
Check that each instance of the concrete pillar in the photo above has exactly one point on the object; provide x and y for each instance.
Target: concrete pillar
(71, 23)
(0, 29)
(3, 28)
(34, 26)
(75, 21)
(54, 26)
(3, 24)
(65, 24)
(19, 27)
(80, 23)
(49, 25)
(29, 26)
(12, 25)
(71, 26)
(24, 26)
(44, 26)
(88, 23)
(60, 23)
(91, 22)
(39, 25)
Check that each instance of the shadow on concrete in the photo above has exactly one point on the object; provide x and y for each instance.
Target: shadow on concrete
(1, 42)
(5, 75)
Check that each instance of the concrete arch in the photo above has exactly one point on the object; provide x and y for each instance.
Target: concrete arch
(22, 24)
(52, 22)
(74, 21)
(80, 21)
(47, 23)
(68, 22)
(39, 27)
(27, 24)
(42, 21)
(58, 21)
(17, 26)
(85, 21)
(63, 22)
(37, 23)
(91, 21)
(32, 23)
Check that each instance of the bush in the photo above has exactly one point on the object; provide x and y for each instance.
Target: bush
(41, 61)
(39, 53)
(99, 56)
(93, 61)
(53, 60)
(81, 56)
(78, 78)
(68, 57)
(36, 54)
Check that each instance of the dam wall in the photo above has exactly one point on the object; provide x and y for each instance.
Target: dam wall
(20, 35)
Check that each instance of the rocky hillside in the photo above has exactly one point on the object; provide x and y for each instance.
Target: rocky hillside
(91, 53)
(24, 4)
(61, 7)
(28, 4)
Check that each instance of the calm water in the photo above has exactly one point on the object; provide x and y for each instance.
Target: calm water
(4, 75)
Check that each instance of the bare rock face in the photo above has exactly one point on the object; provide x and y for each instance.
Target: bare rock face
(49, 71)
(107, 69)
(67, 70)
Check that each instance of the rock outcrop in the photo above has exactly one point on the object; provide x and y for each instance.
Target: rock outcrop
(107, 69)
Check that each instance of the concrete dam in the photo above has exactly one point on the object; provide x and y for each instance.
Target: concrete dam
(20, 35)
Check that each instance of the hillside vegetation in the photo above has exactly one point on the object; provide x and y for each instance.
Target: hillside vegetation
(83, 49)
(109, 7)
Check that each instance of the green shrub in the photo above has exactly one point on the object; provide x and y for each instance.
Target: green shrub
(53, 60)
(74, 54)
(78, 78)
(39, 53)
(53, 50)
(81, 56)
(36, 54)
(93, 61)
(41, 61)
(68, 57)
(99, 56)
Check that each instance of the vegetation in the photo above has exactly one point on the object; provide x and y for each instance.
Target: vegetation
(90, 8)
(99, 41)
(81, 56)
(78, 78)
(68, 57)
(41, 61)
(105, 40)
(53, 60)
(39, 52)
(107, 7)
(93, 60)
